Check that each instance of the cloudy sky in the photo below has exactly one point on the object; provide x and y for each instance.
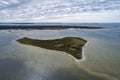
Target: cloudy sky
(60, 11)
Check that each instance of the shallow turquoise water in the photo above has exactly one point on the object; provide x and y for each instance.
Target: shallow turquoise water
(23, 62)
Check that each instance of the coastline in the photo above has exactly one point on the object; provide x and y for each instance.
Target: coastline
(83, 54)
(70, 45)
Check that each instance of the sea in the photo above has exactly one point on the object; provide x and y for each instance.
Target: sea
(101, 54)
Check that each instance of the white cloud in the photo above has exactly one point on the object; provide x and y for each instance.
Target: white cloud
(84, 17)
(54, 8)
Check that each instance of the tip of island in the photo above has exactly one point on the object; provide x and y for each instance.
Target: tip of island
(70, 45)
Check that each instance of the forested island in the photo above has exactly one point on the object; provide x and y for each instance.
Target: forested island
(70, 45)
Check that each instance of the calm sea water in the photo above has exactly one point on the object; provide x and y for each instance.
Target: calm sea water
(23, 62)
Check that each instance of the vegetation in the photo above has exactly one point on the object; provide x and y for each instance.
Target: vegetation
(44, 27)
(70, 45)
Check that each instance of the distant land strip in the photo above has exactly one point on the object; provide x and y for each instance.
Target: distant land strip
(32, 26)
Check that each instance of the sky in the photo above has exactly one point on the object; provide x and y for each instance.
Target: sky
(73, 11)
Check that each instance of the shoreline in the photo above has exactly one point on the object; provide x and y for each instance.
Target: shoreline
(83, 54)
(70, 45)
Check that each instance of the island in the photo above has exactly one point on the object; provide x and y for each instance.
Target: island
(70, 45)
